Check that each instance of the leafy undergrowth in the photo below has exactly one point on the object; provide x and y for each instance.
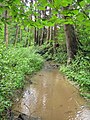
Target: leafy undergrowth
(59, 55)
(14, 64)
(79, 72)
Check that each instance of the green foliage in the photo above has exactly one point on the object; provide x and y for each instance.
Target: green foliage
(61, 55)
(14, 64)
(1, 32)
(79, 71)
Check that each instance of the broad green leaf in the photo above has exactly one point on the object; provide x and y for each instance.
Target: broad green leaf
(80, 17)
(75, 12)
(88, 1)
(83, 3)
(1, 10)
(1, 0)
(41, 8)
(17, 2)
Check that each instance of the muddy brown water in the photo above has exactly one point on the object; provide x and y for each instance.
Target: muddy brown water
(52, 97)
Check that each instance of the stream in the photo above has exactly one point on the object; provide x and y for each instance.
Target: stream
(52, 97)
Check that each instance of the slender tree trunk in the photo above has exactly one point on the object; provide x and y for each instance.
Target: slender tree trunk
(28, 37)
(48, 34)
(16, 36)
(35, 36)
(50, 37)
(55, 38)
(42, 16)
(6, 29)
(35, 31)
(42, 36)
(20, 34)
(28, 41)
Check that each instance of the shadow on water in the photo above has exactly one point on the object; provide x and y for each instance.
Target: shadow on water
(52, 97)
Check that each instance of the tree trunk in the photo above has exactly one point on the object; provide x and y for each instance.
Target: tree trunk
(28, 39)
(20, 34)
(36, 36)
(50, 37)
(6, 29)
(55, 38)
(42, 36)
(71, 42)
(36, 30)
(16, 36)
(48, 34)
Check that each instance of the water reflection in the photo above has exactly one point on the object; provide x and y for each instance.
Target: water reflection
(29, 100)
(44, 100)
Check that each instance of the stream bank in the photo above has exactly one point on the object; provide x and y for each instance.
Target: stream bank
(51, 97)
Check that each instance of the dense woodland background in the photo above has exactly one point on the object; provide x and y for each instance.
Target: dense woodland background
(58, 30)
